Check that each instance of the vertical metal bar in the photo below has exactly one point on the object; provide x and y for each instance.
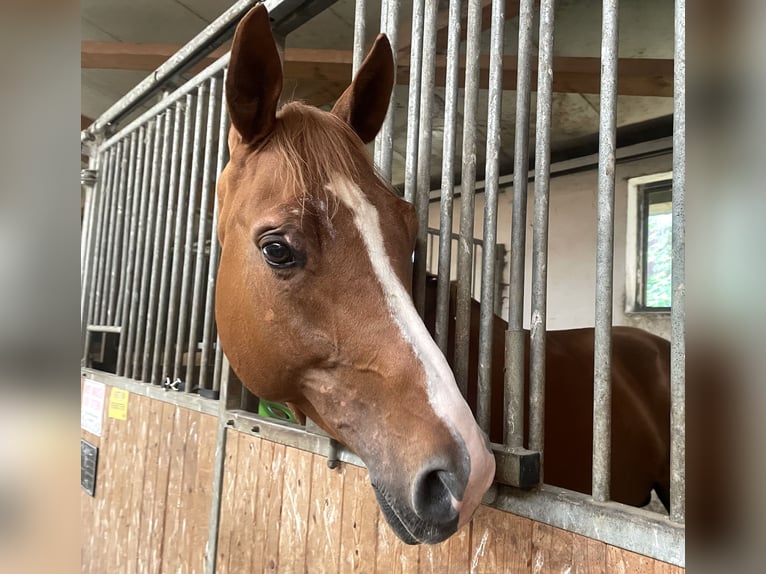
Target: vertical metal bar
(188, 265)
(91, 258)
(209, 321)
(201, 234)
(487, 310)
(385, 140)
(424, 153)
(146, 268)
(148, 136)
(538, 320)
(602, 378)
(94, 308)
(413, 106)
(109, 271)
(377, 144)
(183, 194)
(678, 306)
(359, 35)
(217, 366)
(133, 241)
(157, 262)
(513, 430)
(448, 179)
(181, 118)
(467, 195)
(128, 221)
(117, 234)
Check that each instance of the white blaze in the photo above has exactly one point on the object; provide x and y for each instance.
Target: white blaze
(443, 394)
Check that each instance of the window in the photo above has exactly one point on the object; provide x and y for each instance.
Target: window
(649, 244)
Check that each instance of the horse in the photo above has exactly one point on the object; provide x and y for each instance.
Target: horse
(313, 293)
(640, 441)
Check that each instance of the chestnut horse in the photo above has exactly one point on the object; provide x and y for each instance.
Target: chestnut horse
(313, 302)
(640, 404)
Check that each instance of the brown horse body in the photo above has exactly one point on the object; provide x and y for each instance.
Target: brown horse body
(640, 404)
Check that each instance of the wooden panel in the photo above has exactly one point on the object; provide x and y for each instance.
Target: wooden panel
(154, 478)
(359, 523)
(241, 549)
(228, 499)
(324, 529)
(619, 560)
(500, 542)
(273, 506)
(393, 555)
(293, 528)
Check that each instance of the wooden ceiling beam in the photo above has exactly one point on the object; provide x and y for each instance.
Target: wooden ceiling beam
(637, 76)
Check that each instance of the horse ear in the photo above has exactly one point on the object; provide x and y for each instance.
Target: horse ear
(364, 104)
(254, 78)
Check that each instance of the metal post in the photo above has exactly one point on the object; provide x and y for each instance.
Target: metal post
(181, 116)
(678, 308)
(140, 326)
(106, 273)
(384, 143)
(127, 306)
(540, 231)
(183, 194)
(602, 392)
(413, 106)
(209, 321)
(513, 429)
(130, 216)
(467, 193)
(94, 308)
(157, 262)
(359, 35)
(424, 154)
(201, 233)
(188, 265)
(489, 260)
(448, 179)
(91, 256)
(116, 233)
(149, 136)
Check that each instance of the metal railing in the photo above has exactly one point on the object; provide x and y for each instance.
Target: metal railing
(150, 253)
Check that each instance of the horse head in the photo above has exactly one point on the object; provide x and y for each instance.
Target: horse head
(313, 303)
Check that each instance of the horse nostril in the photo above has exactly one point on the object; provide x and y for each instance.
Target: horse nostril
(432, 497)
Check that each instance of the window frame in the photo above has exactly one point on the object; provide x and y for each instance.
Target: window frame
(639, 192)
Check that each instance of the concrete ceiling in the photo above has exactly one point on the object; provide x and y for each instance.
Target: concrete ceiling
(646, 31)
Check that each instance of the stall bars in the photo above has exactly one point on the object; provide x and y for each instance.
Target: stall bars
(149, 278)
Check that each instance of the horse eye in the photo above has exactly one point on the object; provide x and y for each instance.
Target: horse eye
(278, 254)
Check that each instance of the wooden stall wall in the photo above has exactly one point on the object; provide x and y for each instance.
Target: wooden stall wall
(152, 501)
(284, 511)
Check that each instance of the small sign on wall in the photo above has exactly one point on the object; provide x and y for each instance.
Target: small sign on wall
(92, 408)
(88, 466)
(118, 404)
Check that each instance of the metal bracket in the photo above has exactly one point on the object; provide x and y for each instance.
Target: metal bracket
(88, 177)
(516, 466)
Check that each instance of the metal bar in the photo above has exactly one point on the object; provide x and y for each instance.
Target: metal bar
(413, 105)
(148, 136)
(208, 331)
(181, 117)
(94, 310)
(93, 232)
(130, 258)
(109, 271)
(489, 261)
(188, 265)
(448, 178)
(467, 196)
(678, 302)
(602, 378)
(146, 265)
(128, 220)
(513, 428)
(538, 321)
(377, 144)
(157, 261)
(116, 236)
(360, 10)
(201, 234)
(183, 193)
(423, 191)
(385, 140)
(218, 365)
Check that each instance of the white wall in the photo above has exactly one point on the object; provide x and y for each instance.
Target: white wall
(572, 245)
